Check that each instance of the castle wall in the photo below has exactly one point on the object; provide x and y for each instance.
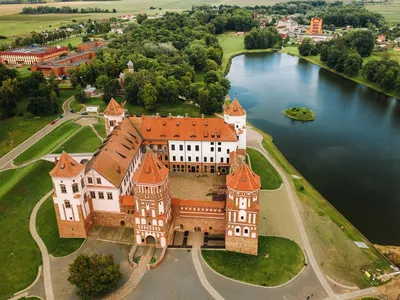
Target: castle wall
(103, 218)
(241, 244)
(74, 229)
(209, 225)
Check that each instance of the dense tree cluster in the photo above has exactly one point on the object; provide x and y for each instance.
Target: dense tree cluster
(385, 73)
(38, 10)
(262, 38)
(94, 275)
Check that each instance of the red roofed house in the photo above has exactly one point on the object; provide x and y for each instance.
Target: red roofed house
(126, 182)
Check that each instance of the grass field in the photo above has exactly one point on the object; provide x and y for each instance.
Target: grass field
(330, 233)
(270, 179)
(285, 261)
(299, 113)
(46, 144)
(74, 41)
(19, 253)
(101, 127)
(390, 10)
(83, 141)
(46, 225)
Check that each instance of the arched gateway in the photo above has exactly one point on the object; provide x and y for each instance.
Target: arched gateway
(150, 240)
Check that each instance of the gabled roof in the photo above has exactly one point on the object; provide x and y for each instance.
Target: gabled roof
(151, 171)
(235, 109)
(66, 167)
(244, 179)
(113, 158)
(114, 108)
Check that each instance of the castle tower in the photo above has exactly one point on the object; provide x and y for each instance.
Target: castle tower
(130, 66)
(114, 114)
(236, 115)
(153, 213)
(72, 206)
(243, 187)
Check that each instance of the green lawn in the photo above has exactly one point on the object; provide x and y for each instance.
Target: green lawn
(10, 177)
(75, 105)
(24, 72)
(74, 41)
(83, 141)
(46, 144)
(299, 113)
(19, 253)
(270, 179)
(285, 260)
(100, 127)
(46, 225)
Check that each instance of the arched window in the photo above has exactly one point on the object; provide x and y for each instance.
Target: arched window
(82, 182)
(63, 188)
(75, 188)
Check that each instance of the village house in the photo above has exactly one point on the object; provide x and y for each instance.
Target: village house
(127, 181)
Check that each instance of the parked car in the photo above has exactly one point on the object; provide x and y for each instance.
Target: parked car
(60, 116)
(84, 113)
(71, 110)
(53, 122)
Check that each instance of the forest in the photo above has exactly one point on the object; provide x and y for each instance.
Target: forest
(62, 10)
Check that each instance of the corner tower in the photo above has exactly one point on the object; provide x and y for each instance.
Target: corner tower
(243, 187)
(114, 114)
(72, 206)
(153, 214)
(236, 115)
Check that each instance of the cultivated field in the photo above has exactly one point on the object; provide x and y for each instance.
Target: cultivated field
(390, 10)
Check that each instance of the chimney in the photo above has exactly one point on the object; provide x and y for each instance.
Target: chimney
(169, 116)
(186, 116)
(118, 169)
(202, 116)
(55, 160)
(157, 115)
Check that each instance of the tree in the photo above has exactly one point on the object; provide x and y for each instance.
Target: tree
(31, 84)
(80, 94)
(210, 65)
(9, 92)
(102, 81)
(362, 40)
(305, 47)
(140, 18)
(85, 39)
(94, 275)
(149, 96)
(197, 53)
(53, 84)
(352, 64)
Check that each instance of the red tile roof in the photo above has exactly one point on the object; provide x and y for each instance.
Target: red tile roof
(244, 179)
(66, 167)
(184, 129)
(114, 108)
(128, 200)
(235, 109)
(151, 171)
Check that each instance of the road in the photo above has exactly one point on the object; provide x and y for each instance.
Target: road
(6, 160)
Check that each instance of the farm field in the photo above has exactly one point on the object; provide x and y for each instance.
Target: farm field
(390, 10)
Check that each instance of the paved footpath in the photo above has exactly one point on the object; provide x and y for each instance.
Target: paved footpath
(6, 160)
(45, 254)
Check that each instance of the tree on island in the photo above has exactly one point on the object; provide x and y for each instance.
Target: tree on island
(94, 275)
(80, 94)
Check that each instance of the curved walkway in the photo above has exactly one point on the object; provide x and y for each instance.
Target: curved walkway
(45, 254)
(254, 141)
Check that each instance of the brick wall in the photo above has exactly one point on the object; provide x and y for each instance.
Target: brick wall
(74, 229)
(241, 244)
(209, 225)
(113, 219)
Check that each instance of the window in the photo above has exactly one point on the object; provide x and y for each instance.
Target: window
(101, 195)
(166, 157)
(98, 180)
(82, 182)
(212, 143)
(181, 158)
(205, 159)
(246, 231)
(109, 196)
(219, 143)
(189, 147)
(211, 159)
(63, 188)
(173, 147)
(227, 160)
(93, 195)
(111, 123)
(181, 147)
(212, 149)
(227, 151)
(189, 158)
(75, 188)
(90, 179)
(173, 158)
(219, 149)
(197, 159)
(237, 230)
(197, 147)
(67, 204)
(241, 217)
(222, 159)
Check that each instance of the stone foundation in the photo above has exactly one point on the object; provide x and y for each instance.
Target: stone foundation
(241, 244)
(74, 229)
(103, 218)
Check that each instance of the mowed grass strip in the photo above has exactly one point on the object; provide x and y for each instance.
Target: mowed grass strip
(270, 179)
(47, 143)
(278, 261)
(46, 225)
(20, 257)
(101, 128)
(84, 141)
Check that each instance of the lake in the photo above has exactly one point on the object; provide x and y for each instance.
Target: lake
(350, 153)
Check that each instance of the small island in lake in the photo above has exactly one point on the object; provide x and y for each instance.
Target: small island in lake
(299, 113)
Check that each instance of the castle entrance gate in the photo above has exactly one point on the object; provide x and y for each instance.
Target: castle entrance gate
(150, 240)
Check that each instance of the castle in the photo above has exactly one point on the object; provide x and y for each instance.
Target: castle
(126, 182)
